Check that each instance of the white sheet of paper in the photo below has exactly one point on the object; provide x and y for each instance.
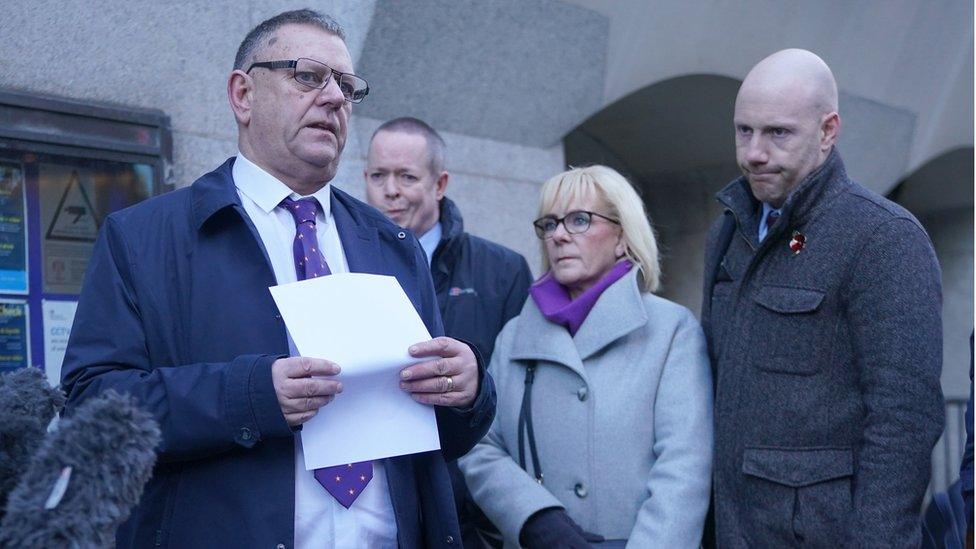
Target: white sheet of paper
(364, 323)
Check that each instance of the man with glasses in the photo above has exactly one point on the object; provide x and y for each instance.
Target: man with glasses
(176, 311)
(480, 285)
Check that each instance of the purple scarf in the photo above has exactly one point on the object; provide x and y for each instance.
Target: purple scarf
(554, 302)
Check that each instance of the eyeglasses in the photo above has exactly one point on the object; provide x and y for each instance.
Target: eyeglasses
(315, 75)
(575, 222)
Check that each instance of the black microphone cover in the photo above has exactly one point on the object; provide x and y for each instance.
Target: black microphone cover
(109, 445)
(27, 406)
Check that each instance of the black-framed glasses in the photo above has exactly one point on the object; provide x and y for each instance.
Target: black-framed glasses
(316, 75)
(574, 222)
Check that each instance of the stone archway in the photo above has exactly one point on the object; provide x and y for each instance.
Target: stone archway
(673, 139)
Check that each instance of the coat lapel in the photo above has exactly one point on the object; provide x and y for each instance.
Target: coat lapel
(537, 339)
(618, 312)
(360, 242)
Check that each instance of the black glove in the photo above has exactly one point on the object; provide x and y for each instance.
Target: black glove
(552, 527)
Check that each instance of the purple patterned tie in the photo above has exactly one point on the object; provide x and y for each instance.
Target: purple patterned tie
(309, 261)
(344, 482)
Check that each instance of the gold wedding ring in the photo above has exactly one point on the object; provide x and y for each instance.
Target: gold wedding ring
(450, 383)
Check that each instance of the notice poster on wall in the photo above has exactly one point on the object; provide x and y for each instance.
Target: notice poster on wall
(69, 221)
(58, 317)
(13, 230)
(75, 197)
(14, 335)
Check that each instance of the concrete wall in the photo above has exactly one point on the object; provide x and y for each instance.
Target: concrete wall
(517, 71)
(171, 56)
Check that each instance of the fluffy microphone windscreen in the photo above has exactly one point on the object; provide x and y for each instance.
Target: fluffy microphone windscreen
(84, 480)
(27, 405)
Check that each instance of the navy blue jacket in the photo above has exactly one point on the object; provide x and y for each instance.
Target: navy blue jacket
(176, 311)
(480, 285)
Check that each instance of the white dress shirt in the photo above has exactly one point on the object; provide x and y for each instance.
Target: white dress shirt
(320, 521)
(430, 240)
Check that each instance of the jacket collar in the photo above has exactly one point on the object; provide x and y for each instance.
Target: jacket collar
(215, 191)
(618, 312)
(813, 193)
(452, 226)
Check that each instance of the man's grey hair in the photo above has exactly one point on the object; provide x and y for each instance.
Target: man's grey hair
(262, 35)
(436, 149)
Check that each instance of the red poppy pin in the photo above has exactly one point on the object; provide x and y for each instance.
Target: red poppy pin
(798, 242)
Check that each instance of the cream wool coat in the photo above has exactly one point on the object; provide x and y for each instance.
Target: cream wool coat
(623, 422)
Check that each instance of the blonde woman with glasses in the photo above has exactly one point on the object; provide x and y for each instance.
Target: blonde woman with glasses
(604, 425)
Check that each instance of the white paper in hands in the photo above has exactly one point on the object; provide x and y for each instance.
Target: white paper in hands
(364, 323)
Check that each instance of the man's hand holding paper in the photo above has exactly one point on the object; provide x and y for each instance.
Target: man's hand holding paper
(449, 378)
(302, 386)
(365, 325)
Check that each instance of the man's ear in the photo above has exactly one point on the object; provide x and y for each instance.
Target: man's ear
(441, 184)
(829, 131)
(239, 94)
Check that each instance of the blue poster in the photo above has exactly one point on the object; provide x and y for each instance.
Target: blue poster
(14, 338)
(13, 230)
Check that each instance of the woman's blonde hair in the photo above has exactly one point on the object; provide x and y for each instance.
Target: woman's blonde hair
(620, 201)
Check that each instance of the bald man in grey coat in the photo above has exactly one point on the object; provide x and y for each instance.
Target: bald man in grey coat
(822, 311)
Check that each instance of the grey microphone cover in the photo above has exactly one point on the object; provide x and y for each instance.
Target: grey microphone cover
(109, 445)
(27, 406)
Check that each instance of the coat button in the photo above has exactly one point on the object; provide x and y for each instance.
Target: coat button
(449, 540)
(245, 434)
(580, 490)
(401, 235)
(582, 392)
(280, 546)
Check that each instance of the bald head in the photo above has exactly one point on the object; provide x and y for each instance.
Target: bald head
(796, 75)
(786, 122)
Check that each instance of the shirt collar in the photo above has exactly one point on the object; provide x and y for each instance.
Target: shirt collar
(430, 240)
(267, 191)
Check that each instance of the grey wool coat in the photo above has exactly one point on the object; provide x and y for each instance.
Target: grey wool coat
(623, 422)
(827, 365)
